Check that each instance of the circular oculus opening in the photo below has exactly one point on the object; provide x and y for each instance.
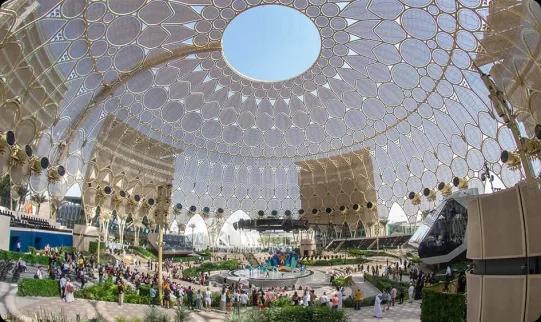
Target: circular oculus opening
(271, 43)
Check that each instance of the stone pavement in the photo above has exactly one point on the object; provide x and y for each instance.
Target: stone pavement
(407, 312)
(26, 308)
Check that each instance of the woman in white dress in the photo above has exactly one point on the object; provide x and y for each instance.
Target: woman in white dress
(378, 312)
(69, 290)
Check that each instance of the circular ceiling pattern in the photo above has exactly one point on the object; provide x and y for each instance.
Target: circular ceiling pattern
(393, 77)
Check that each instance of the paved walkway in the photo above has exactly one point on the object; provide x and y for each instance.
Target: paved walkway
(26, 308)
(407, 312)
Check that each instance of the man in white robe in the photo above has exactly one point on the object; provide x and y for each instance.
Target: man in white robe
(378, 312)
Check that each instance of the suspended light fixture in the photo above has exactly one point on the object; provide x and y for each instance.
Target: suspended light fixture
(54, 174)
(219, 212)
(445, 188)
(370, 206)
(532, 147)
(205, 212)
(429, 194)
(460, 183)
(415, 198)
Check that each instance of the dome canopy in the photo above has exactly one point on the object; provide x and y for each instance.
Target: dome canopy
(394, 79)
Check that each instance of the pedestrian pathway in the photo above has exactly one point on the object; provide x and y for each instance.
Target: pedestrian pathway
(367, 288)
(26, 308)
(407, 312)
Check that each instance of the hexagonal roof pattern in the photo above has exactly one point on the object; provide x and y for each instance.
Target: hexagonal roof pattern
(395, 77)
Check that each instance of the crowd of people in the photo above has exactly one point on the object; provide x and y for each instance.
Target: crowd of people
(69, 267)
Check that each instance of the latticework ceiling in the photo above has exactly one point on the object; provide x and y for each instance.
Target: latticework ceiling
(394, 78)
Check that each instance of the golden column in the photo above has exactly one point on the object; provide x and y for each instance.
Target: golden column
(161, 218)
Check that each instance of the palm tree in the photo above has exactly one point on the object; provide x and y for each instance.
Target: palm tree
(5, 191)
(20, 192)
(38, 199)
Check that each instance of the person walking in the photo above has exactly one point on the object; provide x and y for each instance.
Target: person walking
(69, 290)
(378, 312)
(208, 299)
(120, 291)
(223, 300)
(199, 300)
(393, 296)
(62, 282)
(411, 290)
(358, 299)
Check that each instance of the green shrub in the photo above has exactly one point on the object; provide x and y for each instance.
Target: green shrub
(27, 257)
(342, 281)
(145, 253)
(367, 301)
(194, 272)
(282, 301)
(383, 283)
(35, 287)
(107, 291)
(369, 253)
(304, 314)
(334, 261)
(93, 247)
(442, 307)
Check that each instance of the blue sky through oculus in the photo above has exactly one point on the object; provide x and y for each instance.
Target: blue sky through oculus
(271, 43)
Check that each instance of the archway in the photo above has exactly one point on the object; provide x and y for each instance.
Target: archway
(196, 231)
(229, 237)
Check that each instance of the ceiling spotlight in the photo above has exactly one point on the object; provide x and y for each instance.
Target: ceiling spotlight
(511, 159)
(315, 211)
(414, 197)
(18, 156)
(301, 211)
(123, 193)
(343, 209)
(178, 206)
(328, 210)
(55, 173)
(137, 198)
(219, 212)
(461, 183)
(261, 213)
(206, 210)
(274, 213)
(151, 201)
(370, 206)
(445, 189)
(287, 213)
(356, 207)
(108, 190)
(7, 140)
(429, 194)
(37, 165)
(531, 147)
